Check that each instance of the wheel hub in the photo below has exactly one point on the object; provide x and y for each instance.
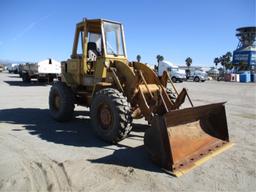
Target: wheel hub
(105, 116)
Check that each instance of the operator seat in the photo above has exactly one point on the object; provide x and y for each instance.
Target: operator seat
(92, 54)
(92, 51)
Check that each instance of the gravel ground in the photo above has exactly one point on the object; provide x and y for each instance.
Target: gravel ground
(39, 154)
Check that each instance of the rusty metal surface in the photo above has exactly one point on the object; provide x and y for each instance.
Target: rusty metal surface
(105, 116)
(180, 138)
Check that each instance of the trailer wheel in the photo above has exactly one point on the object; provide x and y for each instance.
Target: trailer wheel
(50, 79)
(25, 78)
(111, 115)
(61, 102)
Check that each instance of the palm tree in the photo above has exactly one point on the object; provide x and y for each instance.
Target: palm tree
(222, 61)
(229, 54)
(243, 66)
(159, 58)
(225, 61)
(216, 61)
(138, 58)
(188, 62)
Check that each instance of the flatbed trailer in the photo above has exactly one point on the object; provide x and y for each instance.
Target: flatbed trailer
(43, 71)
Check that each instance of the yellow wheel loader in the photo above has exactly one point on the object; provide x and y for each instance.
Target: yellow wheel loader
(98, 75)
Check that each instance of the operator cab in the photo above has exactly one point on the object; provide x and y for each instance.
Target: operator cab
(96, 38)
(97, 43)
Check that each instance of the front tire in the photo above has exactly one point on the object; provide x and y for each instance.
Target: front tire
(197, 79)
(174, 80)
(111, 115)
(61, 102)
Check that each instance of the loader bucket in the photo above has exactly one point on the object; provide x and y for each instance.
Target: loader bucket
(182, 139)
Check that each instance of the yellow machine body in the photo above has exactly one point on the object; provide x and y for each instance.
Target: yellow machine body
(178, 138)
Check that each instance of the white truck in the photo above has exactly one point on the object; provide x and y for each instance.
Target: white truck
(43, 71)
(175, 73)
(197, 76)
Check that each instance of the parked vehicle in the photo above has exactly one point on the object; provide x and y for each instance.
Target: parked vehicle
(220, 77)
(175, 73)
(1, 68)
(13, 68)
(197, 76)
(213, 73)
(43, 71)
(20, 68)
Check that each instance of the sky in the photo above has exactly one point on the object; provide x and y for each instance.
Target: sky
(33, 30)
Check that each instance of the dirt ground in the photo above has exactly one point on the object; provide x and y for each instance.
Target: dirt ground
(39, 154)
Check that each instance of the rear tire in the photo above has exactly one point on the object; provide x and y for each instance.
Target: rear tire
(111, 115)
(25, 78)
(61, 102)
(50, 79)
(174, 80)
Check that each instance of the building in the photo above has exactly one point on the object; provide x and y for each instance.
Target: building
(244, 57)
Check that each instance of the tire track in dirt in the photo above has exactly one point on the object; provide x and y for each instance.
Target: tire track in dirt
(44, 173)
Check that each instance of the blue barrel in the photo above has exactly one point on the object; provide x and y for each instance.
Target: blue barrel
(245, 77)
(253, 77)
